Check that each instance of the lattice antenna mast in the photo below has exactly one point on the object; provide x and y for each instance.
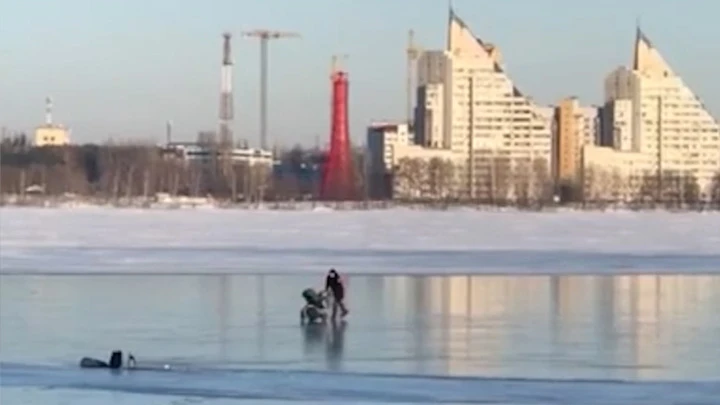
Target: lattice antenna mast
(48, 110)
(168, 132)
(264, 36)
(226, 94)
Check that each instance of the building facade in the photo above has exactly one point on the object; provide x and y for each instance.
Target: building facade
(664, 142)
(574, 127)
(499, 140)
(381, 139)
(51, 135)
(201, 153)
(398, 167)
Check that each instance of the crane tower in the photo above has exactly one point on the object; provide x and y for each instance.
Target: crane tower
(264, 36)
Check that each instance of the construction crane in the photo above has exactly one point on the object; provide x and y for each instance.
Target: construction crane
(413, 53)
(265, 36)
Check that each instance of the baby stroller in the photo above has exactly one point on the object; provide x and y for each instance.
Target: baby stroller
(314, 310)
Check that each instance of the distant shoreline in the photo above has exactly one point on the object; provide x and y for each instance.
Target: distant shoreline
(169, 203)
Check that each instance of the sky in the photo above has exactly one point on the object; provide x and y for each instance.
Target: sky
(122, 68)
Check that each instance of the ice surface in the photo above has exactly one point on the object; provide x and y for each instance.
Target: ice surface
(395, 241)
(442, 336)
(308, 386)
(466, 339)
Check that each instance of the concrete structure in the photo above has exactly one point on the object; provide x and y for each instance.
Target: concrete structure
(51, 134)
(574, 127)
(659, 128)
(468, 104)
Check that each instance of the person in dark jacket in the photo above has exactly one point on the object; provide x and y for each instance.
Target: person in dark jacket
(334, 284)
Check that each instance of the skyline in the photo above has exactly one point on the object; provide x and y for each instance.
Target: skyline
(101, 91)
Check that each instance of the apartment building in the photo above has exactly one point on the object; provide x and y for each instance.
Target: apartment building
(499, 139)
(658, 128)
(574, 127)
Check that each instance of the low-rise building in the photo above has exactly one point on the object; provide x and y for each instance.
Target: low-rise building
(198, 153)
(51, 135)
(612, 175)
(399, 168)
(381, 140)
(424, 173)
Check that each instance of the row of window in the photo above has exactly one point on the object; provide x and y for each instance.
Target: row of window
(516, 129)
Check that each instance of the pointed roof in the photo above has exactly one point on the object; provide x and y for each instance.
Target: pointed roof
(461, 40)
(647, 59)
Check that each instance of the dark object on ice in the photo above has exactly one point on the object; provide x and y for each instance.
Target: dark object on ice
(313, 298)
(115, 362)
(89, 362)
(314, 309)
(334, 283)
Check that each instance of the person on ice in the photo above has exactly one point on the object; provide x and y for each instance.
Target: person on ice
(334, 284)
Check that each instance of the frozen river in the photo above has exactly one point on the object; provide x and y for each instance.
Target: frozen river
(621, 310)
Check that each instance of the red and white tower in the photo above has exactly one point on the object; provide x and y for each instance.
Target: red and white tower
(226, 95)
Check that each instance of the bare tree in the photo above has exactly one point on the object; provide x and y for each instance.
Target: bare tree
(715, 191)
(502, 178)
(542, 183)
(648, 190)
(410, 178)
(360, 175)
(618, 186)
(589, 184)
(440, 177)
(690, 190)
(522, 181)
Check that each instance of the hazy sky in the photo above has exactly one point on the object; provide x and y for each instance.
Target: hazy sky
(122, 68)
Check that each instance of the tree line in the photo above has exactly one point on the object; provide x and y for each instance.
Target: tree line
(117, 170)
(500, 181)
(491, 180)
(126, 170)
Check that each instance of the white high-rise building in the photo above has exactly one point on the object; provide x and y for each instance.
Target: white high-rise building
(382, 139)
(617, 124)
(429, 121)
(659, 128)
(500, 139)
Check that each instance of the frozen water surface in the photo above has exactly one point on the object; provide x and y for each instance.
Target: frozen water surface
(621, 310)
(396, 241)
